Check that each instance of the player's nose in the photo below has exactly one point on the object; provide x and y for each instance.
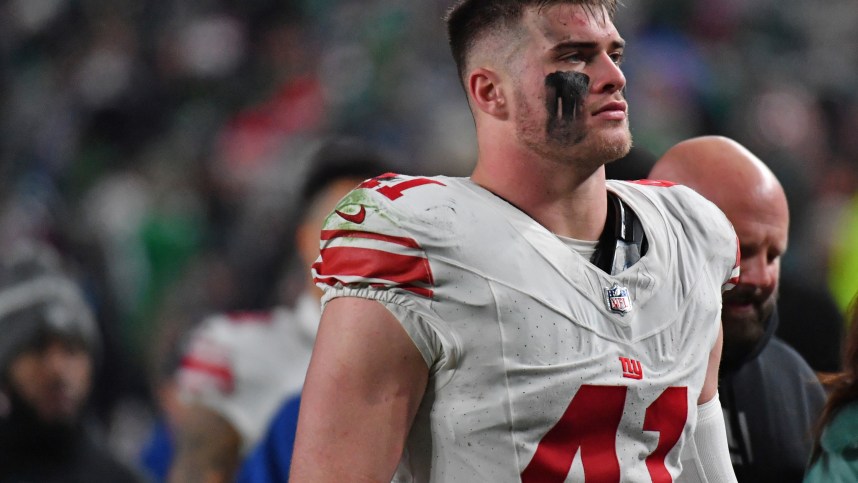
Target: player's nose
(607, 75)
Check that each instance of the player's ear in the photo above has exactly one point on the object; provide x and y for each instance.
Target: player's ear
(486, 92)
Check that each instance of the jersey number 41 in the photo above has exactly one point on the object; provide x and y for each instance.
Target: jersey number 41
(590, 425)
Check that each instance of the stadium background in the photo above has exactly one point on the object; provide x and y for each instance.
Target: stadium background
(159, 143)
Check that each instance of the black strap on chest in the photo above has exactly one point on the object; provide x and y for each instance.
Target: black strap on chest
(623, 242)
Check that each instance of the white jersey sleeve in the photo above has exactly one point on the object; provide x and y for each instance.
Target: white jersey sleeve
(243, 365)
(372, 248)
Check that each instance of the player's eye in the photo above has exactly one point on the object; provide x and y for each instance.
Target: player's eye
(573, 58)
(617, 57)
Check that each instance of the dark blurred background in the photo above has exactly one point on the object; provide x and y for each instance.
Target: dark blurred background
(159, 144)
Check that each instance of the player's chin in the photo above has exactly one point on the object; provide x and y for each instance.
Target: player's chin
(615, 143)
(611, 127)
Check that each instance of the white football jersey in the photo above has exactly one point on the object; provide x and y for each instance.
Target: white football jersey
(243, 365)
(543, 368)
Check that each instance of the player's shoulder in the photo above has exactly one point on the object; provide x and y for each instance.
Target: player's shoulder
(666, 193)
(389, 230)
(698, 225)
(681, 204)
(398, 205)
(395, 186)
(404, 193)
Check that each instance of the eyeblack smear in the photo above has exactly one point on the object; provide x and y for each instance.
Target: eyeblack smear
(565, 92)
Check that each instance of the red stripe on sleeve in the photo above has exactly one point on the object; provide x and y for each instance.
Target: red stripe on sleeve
(368, 263)
(222, 374)
(405, 271)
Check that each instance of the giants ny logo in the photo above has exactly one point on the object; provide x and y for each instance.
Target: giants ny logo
(631, 368)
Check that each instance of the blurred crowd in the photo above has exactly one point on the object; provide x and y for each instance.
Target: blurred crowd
(159, 145)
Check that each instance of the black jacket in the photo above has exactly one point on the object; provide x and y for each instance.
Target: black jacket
(31, 455)
(771, 401)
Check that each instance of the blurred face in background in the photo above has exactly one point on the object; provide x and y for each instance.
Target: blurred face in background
(53, 378)
(761, 226)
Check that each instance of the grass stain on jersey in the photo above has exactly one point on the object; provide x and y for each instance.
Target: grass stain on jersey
(352, 202)
(564, 100)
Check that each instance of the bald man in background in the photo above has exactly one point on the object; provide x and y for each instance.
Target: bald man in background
(769, 394)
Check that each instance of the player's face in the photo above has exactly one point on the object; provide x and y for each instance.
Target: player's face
(54, 380)
(568, 86)
(763, 239)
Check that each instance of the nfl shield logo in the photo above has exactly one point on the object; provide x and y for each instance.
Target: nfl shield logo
(618, 300)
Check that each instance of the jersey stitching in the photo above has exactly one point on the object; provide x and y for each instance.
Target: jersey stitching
(641, 266)
(546, 303)
(509, 409)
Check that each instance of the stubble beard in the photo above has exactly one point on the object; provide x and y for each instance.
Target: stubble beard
(583, 146)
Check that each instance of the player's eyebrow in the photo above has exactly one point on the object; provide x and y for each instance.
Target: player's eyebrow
(585, 45)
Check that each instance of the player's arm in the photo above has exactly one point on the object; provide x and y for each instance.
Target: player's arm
(364, 384)
(708, 458)
(207, 448)
(710, 384)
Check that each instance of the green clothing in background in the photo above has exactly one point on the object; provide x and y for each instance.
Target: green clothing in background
(843, 266)
(838, 462)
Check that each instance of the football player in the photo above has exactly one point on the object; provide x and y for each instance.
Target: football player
(533, 322)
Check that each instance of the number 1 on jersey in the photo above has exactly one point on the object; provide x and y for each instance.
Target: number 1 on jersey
(394, 191)
(590, 425)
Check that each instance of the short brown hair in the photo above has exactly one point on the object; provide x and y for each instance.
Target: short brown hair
(468, 20)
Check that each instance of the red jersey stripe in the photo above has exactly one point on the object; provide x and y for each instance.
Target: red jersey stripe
(374, 264)
(222, 373)
(399, 240)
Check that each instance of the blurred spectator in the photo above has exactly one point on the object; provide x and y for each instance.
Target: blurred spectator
(240, 367)
(770, 396)
(48, 352)
(836, 437)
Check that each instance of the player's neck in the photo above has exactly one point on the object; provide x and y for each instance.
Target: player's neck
(563, 200)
